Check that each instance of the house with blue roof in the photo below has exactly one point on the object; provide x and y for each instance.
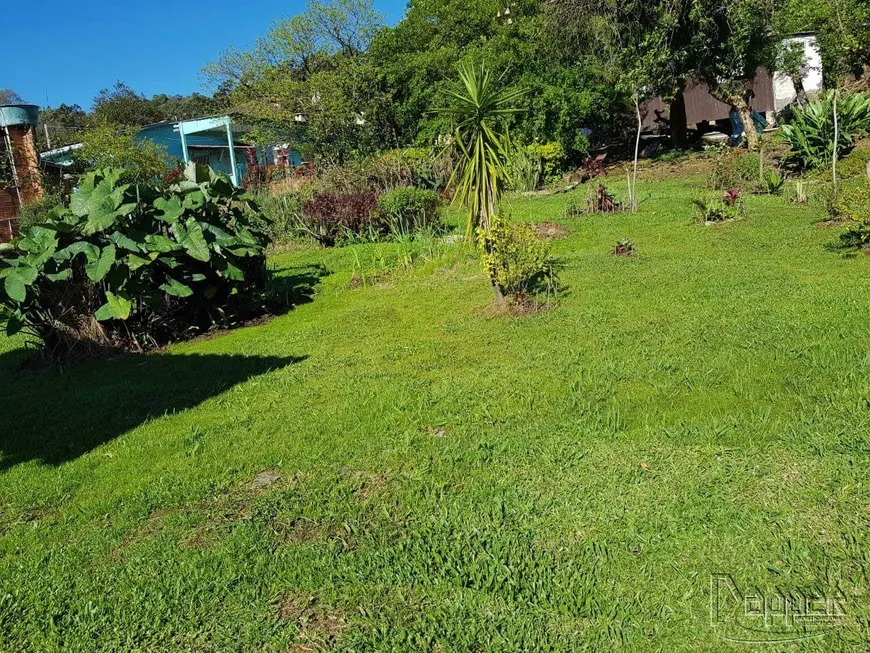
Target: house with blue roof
(214, 142)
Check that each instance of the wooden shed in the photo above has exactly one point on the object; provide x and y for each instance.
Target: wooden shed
(695, 105)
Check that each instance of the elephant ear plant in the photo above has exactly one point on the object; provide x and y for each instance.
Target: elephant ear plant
(133, 267)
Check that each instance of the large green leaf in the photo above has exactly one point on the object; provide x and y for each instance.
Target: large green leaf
(193, 240)
(229, 271)
(17, 280)
(134, 261)
(194, 200)
(15, 288)
(79, 247)
(115, 308)
(99, 268)
(160, 243)
(176, 288)
(170, 210)
(14, 323)
(123, 240)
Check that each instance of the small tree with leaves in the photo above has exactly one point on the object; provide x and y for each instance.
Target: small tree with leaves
(729, 40)
(479, 114)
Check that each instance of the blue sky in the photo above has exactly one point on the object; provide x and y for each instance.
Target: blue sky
(66, 52)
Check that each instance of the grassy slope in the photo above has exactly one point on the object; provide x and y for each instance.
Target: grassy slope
(554, 482)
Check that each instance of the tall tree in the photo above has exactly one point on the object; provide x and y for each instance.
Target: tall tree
(60, 126)
(637, 45)
(310, 68)
(729, 41)
(9, 96)
(121, 105)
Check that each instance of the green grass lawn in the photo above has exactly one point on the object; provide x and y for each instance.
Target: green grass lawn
(439, 480)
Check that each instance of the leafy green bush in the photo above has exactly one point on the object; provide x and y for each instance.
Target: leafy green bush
(411, 166)
(280, 214)
(734, 168)
(852, 205)
(516, 260)
(810, 134)
(407, 209)
(552, 157)
(36, 212)
(105, 146)
(525, 171)
(729, 206)
(772, 181)
(135, 266)
(854, 164)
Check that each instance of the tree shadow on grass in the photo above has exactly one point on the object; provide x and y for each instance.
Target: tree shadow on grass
(55, 415)
(295, 285)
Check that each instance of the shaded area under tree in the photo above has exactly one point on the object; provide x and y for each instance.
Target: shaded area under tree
(89, 404)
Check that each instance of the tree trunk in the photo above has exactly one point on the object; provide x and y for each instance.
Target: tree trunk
(749, 131)
(485, 225)
(636, 154)
(836, 141)
(801, 97)
(498, 292)
(679, 126)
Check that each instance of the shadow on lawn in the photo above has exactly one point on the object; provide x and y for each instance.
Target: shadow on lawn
(56, 415)
(296, 285)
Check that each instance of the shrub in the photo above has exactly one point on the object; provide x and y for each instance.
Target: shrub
(331, 217)
(106, 146)
(852, 205)
(623, 247)
(280, 214)
(603, 202)
(552, 157)
(524, 171)
(855, 163)
(727, 207)
(516, 260)
(408, 209)
(135, 267)
(810, 134)
(342, 180)
(412, 166)
(772, 181)
(733, 168)
(36, 212)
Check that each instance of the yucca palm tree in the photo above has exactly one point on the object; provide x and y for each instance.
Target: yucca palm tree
(480, 134)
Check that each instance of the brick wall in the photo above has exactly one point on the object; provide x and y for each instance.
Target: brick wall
(29, 180)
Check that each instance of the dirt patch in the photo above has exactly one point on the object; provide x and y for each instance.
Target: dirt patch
(519, 308)
(379, 280)
(319, 626)
(212, 513)
(368, 485)
(264, 479)
(552, 231)
(298, 531)
(829, 224)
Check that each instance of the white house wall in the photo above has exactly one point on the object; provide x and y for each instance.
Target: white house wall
(783, 88)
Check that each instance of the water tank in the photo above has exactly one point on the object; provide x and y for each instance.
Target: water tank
(13, 115)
